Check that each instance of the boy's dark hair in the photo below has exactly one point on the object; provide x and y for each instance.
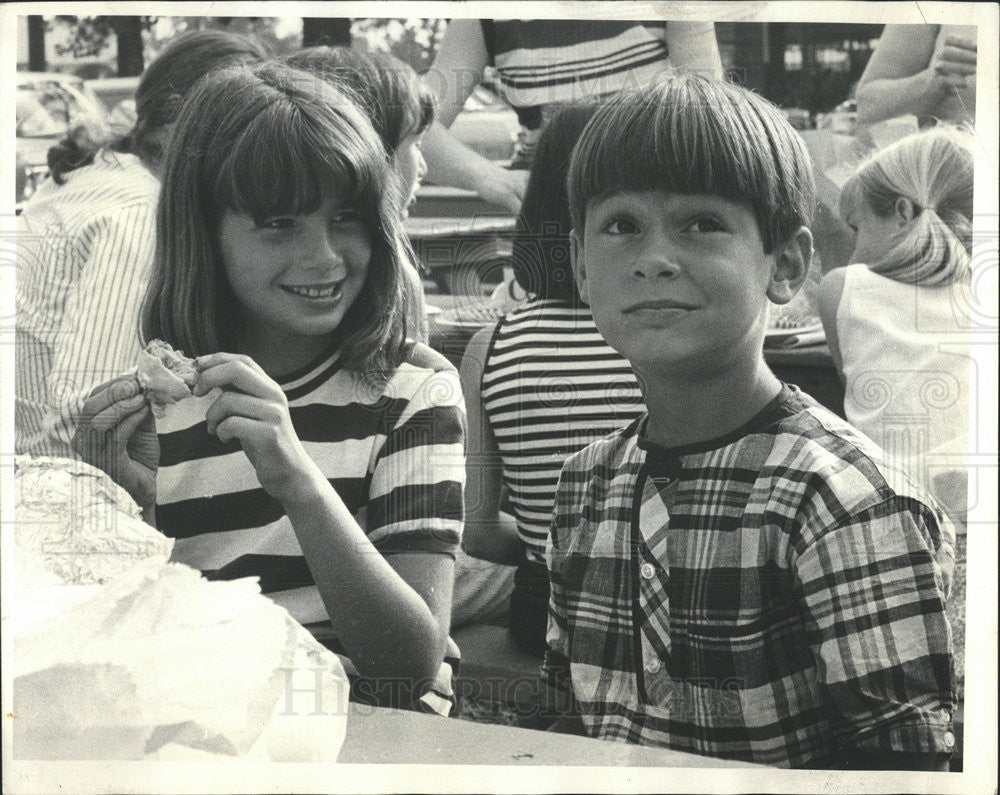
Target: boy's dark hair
(386, 88)
(158, 97)
(691, 134)
(541, 259)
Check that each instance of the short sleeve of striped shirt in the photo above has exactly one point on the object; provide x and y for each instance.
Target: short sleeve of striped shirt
(415, 497)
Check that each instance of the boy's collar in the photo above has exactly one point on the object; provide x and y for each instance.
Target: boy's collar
(762, 419)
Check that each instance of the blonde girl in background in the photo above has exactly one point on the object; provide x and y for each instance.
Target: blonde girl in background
(895, 318)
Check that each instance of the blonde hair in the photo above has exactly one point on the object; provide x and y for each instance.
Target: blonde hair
(934, 170)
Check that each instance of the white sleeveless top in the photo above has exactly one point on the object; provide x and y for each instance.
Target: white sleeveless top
(906, 363)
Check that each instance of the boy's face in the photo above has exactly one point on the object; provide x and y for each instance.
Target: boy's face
(676, 279)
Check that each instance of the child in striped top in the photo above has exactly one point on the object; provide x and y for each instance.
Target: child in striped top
(321, 451)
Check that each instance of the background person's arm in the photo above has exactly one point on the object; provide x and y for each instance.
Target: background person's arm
(99, 335)
(489, 533)
(457, 70)
(693, 47)
(904, 76)
(458, 67)
(452, 163)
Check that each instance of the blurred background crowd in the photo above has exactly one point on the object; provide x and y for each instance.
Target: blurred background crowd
(69, 66)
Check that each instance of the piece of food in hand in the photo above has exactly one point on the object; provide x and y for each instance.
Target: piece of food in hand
(165, 375)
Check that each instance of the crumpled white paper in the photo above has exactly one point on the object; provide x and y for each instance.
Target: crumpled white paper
(150, 660)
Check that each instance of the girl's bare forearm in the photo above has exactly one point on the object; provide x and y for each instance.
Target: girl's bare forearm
(384, 625)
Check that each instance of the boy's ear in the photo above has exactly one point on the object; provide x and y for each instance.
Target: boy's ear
(791, 265)
(576, 258)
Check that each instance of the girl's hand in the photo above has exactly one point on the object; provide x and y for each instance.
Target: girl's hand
(117, 434)
(253, 409)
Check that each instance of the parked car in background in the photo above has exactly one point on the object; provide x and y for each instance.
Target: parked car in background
(798, 118)
(842, 120)
(48, 105)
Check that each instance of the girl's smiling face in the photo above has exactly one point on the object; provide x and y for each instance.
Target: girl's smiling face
(411, 167)
(295, 276)
(675, 279)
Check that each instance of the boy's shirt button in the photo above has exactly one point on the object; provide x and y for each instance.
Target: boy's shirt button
(647, 571)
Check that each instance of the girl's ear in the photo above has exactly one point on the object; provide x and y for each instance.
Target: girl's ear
(903, 211)
(791, 265)
(576, 258)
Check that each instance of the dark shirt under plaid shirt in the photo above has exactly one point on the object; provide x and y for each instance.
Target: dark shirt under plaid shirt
(776, 595)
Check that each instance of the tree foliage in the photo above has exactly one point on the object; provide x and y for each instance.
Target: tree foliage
(89, 36)
(413, 40)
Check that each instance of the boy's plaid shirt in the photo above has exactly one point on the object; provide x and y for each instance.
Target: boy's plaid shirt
(775, 596)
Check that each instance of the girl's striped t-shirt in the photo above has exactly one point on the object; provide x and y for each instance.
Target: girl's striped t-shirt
(551, 385)
(394, 452)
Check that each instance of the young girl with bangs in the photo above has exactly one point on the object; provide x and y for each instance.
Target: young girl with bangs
(400, 109)
(321, 451)
(895, 318)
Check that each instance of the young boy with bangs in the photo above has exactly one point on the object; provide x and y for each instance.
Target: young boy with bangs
(737, 573)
